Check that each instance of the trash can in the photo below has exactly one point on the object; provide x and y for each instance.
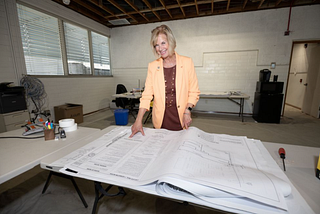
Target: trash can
(121, 116)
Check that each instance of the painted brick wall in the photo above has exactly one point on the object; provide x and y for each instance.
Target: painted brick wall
(92, 93)
(228, 50)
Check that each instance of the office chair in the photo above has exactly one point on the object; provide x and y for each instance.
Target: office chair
(121, 102)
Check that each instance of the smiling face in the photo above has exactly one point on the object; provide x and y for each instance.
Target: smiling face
(162, 41)
(162, 46)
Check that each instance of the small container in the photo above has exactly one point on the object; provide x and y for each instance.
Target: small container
(48, 134)
(264, 75)
(121, 116)
(275, 78)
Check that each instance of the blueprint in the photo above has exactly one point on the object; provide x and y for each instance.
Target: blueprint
(190, 163)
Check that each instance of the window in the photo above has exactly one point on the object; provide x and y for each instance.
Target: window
(77, 46)
(48, 42)
(41, 42)
(101, 59)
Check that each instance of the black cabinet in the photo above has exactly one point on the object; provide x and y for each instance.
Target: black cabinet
(268, 103)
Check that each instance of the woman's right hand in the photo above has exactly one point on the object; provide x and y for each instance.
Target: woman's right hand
(136, 127)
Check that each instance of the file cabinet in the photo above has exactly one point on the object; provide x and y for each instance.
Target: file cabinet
(13, 120)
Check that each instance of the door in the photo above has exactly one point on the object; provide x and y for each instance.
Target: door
(311, 100)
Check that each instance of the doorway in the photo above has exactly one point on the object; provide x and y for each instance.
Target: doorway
(303, 88)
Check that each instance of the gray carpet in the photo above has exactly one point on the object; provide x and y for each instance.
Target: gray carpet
(22, 194)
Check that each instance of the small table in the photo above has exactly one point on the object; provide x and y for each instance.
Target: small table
(233, 96)
(128, 95)
(131, 97)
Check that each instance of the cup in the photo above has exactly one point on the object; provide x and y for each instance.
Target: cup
(48, 134)
(275, 78)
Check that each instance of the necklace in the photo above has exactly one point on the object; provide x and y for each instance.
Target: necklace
(169, 80)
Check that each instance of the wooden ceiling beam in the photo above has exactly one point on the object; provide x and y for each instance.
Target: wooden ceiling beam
(122, 10)
(165, 7)
(136, 9)
(175, 6)
(100, 4)
(228, 5)
(105, 13)
(182, 10)
(212, 6)
(151, 9)
(244, 4)
(85, 5)
(197, 8)
(261, 2)
(84, 11)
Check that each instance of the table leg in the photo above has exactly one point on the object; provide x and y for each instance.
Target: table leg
(241, 108)
(47, 183)
(73, 182)
(104, 192)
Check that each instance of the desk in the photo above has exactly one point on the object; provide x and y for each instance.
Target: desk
(230, 96)
(20, 155)
(128, 95)
(131, 97)
(300, 171)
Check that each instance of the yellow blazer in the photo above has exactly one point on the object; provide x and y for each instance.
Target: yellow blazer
(187, 89)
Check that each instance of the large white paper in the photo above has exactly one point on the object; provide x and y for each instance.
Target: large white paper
(208, 167)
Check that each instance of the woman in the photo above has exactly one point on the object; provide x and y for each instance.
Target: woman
(172, 84)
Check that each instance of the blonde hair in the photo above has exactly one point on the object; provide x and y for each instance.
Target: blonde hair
(163, 29)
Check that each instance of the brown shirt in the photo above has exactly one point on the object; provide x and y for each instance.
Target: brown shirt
(171, 119)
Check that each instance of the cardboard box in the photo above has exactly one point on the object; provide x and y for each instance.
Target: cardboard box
(69, 110)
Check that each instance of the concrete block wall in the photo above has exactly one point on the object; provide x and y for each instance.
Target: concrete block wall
(92, 92)
(241, 44)
(7, 58)
(228, 50)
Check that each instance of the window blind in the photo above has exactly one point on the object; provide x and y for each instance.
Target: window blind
(77, 45)
(41, 42)
(101, 58)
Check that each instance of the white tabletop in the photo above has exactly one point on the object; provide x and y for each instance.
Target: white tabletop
(128, 95)
(46, 162)
(300, 164)
(19, 155)
(218, 95)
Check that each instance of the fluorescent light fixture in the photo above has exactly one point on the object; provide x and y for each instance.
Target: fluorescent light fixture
(119, 22)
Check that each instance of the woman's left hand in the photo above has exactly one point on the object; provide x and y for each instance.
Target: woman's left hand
(187, 120)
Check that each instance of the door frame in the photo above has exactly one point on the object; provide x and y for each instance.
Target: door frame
(288, 75)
